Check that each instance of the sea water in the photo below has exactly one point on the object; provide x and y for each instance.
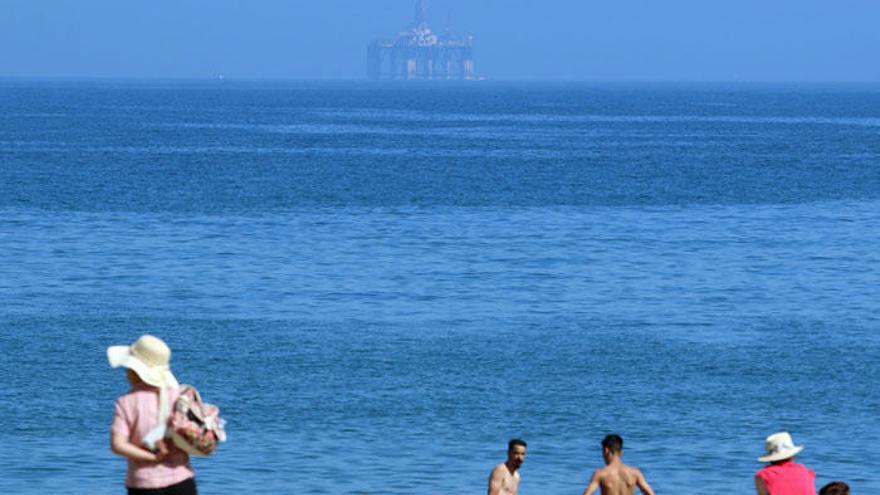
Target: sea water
(380, 284)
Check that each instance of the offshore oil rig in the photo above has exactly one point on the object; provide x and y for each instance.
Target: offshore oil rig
(419, 53)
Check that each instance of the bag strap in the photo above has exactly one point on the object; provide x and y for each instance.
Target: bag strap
(195, 392)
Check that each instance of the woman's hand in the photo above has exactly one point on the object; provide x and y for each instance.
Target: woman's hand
(161, 451)
(119, 444)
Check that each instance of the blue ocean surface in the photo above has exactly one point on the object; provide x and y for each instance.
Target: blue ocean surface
(380, 284)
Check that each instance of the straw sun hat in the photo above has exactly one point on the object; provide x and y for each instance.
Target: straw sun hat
(779, 447)
(148, 357)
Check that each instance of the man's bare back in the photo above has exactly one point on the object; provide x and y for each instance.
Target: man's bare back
(618, 479)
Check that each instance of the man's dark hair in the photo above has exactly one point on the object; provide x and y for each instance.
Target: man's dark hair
(835, 488)
(514, 442)
(614, 443)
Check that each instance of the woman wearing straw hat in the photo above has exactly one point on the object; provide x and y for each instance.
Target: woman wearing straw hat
(139, 419)
(783, 476)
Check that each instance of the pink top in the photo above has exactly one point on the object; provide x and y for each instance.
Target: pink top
(788, 478)
(136, 413)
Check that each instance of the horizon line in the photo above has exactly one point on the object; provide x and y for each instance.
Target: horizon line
(482, 80)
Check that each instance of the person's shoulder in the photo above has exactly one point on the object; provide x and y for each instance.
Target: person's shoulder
(134, 393)
(766, 468)
(127, 403)
(498, 469)
(137, 395)
(128, 396)
(805, 469)
(600, 473)
(633, 470)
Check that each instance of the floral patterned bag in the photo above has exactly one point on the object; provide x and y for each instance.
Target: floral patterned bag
(194, 426)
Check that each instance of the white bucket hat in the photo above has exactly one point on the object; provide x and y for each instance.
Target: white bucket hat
(779, 446)
(148, 357)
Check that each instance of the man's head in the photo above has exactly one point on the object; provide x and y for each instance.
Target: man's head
(516, 453)
(835, 488)
(612, 446)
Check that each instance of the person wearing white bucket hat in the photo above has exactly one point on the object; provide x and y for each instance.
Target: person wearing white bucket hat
(783, 476)
(140, 417)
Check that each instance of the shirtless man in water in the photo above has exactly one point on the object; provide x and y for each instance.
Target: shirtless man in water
(504, 479)
(616, 478)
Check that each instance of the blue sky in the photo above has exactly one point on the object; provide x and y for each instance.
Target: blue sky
(659, 40)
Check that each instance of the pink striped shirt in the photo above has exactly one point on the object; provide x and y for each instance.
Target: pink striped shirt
(136, 413)
(788, 478)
